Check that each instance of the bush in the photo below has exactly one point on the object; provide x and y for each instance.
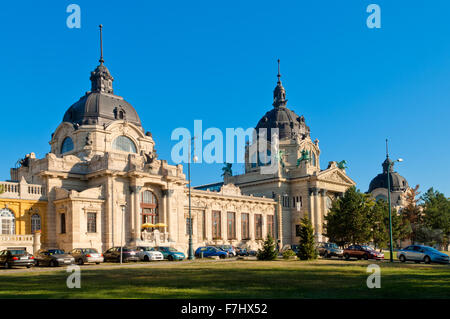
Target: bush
(288, 253)
(307, 249)
(269, 251)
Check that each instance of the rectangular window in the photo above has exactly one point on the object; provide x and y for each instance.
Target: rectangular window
(245, 226)
(216, 225)
(270, 226)
(231, 225)
(91, 222)
(63, 223)
(204, 224)
(188, 225)
(258, 226)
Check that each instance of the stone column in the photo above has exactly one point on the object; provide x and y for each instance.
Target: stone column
(311, 205)
(323, 192)
(36, 242)
(137, 213)
(316, 214)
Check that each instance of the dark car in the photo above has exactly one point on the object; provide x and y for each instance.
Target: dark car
(53, 258)
(16, 257)
(327, 250)
(113, 254)
(210, 251)
(362, 252)
(242, 251)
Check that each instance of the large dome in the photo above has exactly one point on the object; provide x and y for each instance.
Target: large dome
(398, 182)
(288, 123)
(100, 106)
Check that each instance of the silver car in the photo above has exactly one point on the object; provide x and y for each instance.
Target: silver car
(146, 253)
(86, 255)
(419, 253)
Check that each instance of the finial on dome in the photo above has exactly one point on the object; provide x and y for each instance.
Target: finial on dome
(279, 74)
(101, 45)
(279, 94)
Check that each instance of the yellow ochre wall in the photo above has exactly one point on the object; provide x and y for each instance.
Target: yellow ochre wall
(21, 209)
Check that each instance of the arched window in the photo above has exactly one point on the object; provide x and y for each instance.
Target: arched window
(125, 144)
(7, 222)
(313, 158)
(149, 207)
(67, 145)
(35, 223)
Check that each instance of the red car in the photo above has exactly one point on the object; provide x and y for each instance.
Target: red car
(362, 252)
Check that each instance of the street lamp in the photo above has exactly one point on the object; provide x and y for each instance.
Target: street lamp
(121, 236)
(191, 250)
(391, 250)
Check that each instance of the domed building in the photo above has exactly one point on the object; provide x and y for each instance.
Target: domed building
(378, 187)
(102, 186)
(289, 171)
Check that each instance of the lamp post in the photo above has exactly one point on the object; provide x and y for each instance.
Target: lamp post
(121, 236)
(391, 250)
(191, 249)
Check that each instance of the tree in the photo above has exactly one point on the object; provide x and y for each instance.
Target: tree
(307, 249)
(411, 213)
(269, 251)
(436, 217)
(347, 221)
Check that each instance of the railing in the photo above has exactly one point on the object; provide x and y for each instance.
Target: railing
(21, 190)
(16, 238)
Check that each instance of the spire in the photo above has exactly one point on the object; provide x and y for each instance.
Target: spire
(101, 79)
(101, 45)
(279, 94)
(386, 162)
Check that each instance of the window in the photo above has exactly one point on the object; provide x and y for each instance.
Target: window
(245, 226)
(91, 222)
(7, 222)
(216, 229)
(35, 223)
(63, 223)
(204, 225)
(149, 207)
(231, 225)
(270, 226)
(258, 226)
(313, 158)
(188, 225)
(125, 144)
(67, 145)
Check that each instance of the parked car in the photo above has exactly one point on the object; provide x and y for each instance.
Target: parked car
(128, 254)
(420, 253)
(228, 248)
(210, 251)
(252, 252)
(53, 258)
(242, 251)
(16, 257)
(327, 250)
(146, 253)
(86, 255)
(171, 253)
(362, 252)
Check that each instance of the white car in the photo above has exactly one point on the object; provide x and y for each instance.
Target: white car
(146, 253)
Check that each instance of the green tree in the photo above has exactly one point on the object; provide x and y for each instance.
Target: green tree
(307, 248)
(411, 214)
(436, 217)
(269, 251)
(347, 221)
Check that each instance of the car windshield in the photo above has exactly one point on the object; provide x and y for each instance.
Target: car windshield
(172, 249)
(56, 252)
(18, 252)
(332, 245)
(367, 248)
(226, 247)
(90, 251)
(147, 248)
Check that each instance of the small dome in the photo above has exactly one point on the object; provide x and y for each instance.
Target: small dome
(288, 123)
(398, 182)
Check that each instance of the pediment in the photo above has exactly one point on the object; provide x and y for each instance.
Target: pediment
(335, 175)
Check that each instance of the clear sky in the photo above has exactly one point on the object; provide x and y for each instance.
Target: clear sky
(177, 61)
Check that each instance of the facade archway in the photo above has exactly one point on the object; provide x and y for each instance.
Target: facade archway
(149, 207)
(7, 222)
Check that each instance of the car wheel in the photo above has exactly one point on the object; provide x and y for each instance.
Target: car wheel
(222, 256)
(427, 260)
(325, 255)
(7, 265)
(53, 263)
(346, 256)
(28, 266)
(170, 258)
(97, 263)
(146, 258)
(402, 258)
(365, 257)
(80, 261)
(37, 263)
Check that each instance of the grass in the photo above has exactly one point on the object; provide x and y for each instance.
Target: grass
(235, 279)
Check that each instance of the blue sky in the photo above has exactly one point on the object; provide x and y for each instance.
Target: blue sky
(216, 61)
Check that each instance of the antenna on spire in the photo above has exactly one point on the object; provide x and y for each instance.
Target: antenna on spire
(387, 149)
(279, 75)
(101, 45)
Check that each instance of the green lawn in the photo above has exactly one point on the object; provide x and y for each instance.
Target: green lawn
(235, 279)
